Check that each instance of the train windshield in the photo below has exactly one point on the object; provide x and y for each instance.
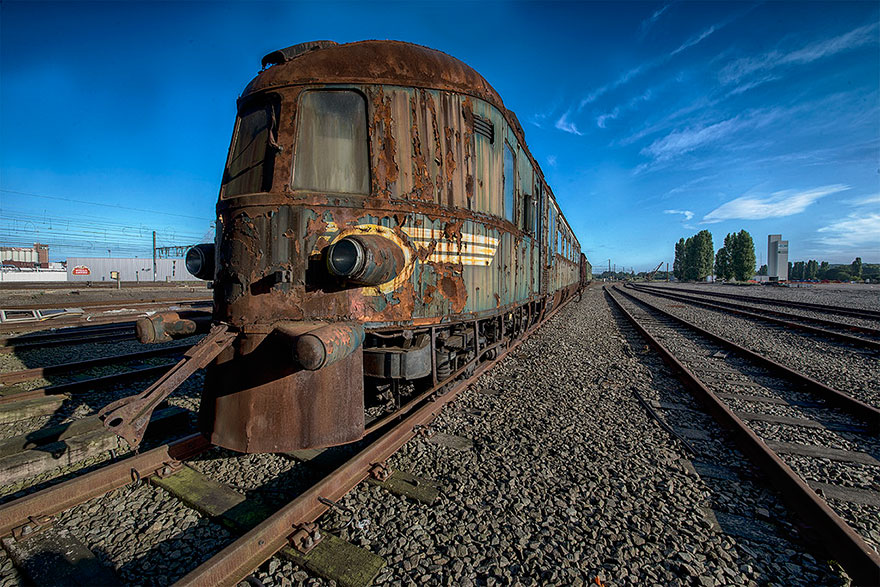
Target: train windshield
(250, 166)
(331, 143)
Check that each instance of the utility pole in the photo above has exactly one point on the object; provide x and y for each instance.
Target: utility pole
(154, 255)
(667, 272)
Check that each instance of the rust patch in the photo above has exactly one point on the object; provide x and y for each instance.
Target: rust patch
(467, 111)
(422, 186)
(386, 171)
(429, 295)
(450, 283)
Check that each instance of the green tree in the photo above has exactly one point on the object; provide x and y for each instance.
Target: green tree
(762, 270)
(742, 257)
(812, 269)
(839, 274)
(689, 265)
(678, 263)
(790, 271)
(856, 268)
(823, 269)
(722, 264)
(707, 253)
(798, 270)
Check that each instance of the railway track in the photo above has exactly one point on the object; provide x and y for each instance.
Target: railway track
(37, 317)
(832, 329)
(10, 394)
(861, 313)
(809, 439)
(123, 331)
(291, 524)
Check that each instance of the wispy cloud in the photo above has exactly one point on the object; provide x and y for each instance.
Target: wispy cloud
(776, 205)
(684, 141)
(695, 40)
(640, 69)
(538, 119)
(551, 160)
(649, 22)
(680, 142)
(737, 70)
(864, 201)
(627, 75)
(856, 230)
(565, 125)
(632, 104)
(686, 213)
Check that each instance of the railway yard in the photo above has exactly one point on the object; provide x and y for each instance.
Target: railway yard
(578, 456)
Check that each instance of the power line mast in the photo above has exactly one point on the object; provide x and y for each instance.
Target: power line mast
(154, 255)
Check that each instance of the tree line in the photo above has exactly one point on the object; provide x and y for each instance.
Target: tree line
(815, 270)
(694, 259)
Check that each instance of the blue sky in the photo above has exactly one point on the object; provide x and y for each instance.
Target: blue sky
(650, 120)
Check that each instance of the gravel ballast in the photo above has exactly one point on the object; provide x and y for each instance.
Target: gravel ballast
(567, 479)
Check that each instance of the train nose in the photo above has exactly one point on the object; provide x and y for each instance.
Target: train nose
(365, 259)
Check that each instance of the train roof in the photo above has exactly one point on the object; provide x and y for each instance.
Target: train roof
(373, 62)
(396, 63)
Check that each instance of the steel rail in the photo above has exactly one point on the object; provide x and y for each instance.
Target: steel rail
(859, 560)
(111, 305)
(840, 310)
(73, 340)
(87, 384)
(68, 494)
(70, 331)
(239, 559)
(858, 408)
(86, 319)
(28, 374)
(741, 310)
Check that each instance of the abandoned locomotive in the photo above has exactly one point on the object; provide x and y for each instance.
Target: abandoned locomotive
(381, 224)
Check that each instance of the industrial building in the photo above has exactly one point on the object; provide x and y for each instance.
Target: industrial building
(777, 258)
(136, 269)
(26, 257)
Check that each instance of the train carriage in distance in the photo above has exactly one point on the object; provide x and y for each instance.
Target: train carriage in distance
(382, 226)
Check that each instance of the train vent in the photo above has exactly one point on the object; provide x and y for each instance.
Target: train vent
(484, 127)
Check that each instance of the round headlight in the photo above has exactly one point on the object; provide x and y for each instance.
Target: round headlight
(200, 261)
(345, 257)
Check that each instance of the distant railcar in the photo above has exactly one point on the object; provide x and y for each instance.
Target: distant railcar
(381, 223)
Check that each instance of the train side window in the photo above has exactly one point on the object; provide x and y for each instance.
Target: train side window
(331, 143)
(539, 213)
(253, 152)
(527, 218)
(509, 182)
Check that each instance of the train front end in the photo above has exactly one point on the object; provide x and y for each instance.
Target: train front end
(297, 268)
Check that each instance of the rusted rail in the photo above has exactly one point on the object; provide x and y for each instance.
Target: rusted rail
(858, 408)
(827, 308)
(63, 496)
(28, 374)
(773, 317)
(87, 384)
(859, 560)
(239, 559)
(66, 340)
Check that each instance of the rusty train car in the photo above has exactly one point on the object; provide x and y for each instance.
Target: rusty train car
(382, 225)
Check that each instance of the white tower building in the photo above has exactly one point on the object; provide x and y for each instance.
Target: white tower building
(777, 258)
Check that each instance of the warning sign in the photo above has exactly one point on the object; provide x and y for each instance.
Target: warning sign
(81, 270)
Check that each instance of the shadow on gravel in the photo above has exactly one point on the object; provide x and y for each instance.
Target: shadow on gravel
(739, 503)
